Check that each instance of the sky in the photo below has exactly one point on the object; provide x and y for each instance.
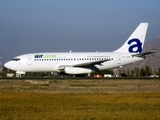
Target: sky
(32, 26)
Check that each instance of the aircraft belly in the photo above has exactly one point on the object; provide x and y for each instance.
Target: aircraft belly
(38, 68)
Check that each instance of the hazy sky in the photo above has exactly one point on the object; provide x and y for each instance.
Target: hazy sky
(28, 26)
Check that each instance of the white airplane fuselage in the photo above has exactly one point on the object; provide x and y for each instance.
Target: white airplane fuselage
(46, 62)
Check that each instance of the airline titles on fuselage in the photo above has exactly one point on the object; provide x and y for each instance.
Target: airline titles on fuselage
(54, 57)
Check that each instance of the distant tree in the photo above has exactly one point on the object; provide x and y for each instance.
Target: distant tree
(158, 72)
(124, 71)
(132, 73)
(150, 70)
(136, 70)
(142, 72)
(154, 72)
(128, 72)
(120, 72)
(147, 71)
(5, 71)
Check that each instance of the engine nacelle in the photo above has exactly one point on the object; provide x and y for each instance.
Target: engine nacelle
(77, 70)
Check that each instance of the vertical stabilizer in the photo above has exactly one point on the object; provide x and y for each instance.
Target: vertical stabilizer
(135, 42)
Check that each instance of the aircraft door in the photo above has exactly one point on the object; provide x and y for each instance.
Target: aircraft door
(119, 59)
(29, 60)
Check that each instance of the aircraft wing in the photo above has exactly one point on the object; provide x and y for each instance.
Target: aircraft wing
(84, 65)
(90, 64)
(143, 54)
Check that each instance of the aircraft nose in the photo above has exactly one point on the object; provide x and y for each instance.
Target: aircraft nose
(8, 65)
(12, 65)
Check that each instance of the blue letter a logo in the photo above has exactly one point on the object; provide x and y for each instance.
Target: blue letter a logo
(135, 48)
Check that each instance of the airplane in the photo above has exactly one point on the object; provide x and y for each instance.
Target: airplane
(76, 63)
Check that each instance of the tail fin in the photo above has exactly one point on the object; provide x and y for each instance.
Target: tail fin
(135, 42)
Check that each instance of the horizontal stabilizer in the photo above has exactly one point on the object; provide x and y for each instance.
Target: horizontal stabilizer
(143, 54)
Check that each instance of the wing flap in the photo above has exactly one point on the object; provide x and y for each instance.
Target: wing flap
(90, 64)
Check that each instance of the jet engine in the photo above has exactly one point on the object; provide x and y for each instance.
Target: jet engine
(74, 70)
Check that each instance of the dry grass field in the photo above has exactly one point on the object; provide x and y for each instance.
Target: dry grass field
(80, 99)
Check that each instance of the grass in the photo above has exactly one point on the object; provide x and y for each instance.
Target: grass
(79, 106)
(91, 85)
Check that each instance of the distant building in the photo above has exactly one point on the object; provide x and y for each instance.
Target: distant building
(10, 74)
(108, 75)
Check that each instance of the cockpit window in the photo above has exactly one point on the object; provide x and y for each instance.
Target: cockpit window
(16, 59)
